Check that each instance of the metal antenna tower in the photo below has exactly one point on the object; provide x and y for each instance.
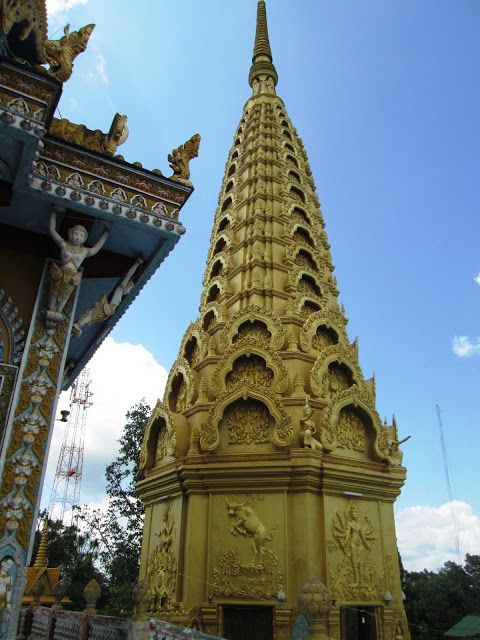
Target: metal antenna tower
(68, 476)
(447, 479)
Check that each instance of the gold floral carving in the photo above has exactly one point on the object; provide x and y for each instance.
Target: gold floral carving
(162, 567)
(351, 431)
(254, 313)
(248, 421)
(258, 374)
(255, 332)
(282, 435)
(257, 578)
(330, 319)
(251, 371)
(184, 395)
(356, 575)
(160, 438)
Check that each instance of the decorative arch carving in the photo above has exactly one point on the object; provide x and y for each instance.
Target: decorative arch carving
(291, 160)
(296, 194)
(231, 355)
(341, 354)
(282, 432)
(252, 313)
(330, 319)
(298, 213)
(217, 269)
(160, 439)
(295, 277)
(305, 258)
(227, 203)
(225, 222)
(301, 235)
(384, 446)
(220, 283)
(194, 330)
(12, 335)
(211, 315)
(230, 183)
(180, 369)
(306, 306)
(222, 242)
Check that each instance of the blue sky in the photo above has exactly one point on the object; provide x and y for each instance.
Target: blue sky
(386, 97)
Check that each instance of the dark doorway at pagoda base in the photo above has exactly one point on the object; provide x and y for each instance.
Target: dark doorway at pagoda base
(358, 623)
(246, 623)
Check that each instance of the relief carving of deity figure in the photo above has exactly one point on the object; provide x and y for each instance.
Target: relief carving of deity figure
(308, 428)
(356, 538)
(65, 277)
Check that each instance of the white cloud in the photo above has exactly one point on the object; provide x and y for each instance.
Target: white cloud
(477, 279)
(55, 7)
(426, 535)
(101, 69)
(122, 374)
(463, 347)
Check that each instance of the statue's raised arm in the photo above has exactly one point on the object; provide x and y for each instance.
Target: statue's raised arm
(91, 251)
(57, 238)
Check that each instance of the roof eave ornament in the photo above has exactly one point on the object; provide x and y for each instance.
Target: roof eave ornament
(23, 39)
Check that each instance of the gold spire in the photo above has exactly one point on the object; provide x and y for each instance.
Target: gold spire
(262, 61)
(41, 559)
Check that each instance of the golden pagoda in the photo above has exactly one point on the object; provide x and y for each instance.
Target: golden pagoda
(269, 477)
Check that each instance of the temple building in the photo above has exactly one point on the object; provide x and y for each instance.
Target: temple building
(81, 232)
(269, 477)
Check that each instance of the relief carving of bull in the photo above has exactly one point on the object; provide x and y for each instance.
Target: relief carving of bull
(247, 523)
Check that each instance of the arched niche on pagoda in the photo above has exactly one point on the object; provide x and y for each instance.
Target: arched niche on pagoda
(298, 213)
(213, 292)
(160, 440)
(247, 364)
(304, 281)
(341, 432)
(217, 268)
(194, 345)
(275, 428)
(336, 370)
(322, 329)
(210, 317)
(179, 390)
(257, 317)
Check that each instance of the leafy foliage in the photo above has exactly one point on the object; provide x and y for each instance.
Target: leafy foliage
(118, 529)
(437, 601)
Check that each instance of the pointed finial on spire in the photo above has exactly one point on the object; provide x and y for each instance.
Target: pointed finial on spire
(41, 559)
(263, 75)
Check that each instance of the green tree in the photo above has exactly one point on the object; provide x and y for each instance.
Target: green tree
(76, 553)
(118, 529)
(436, 601)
